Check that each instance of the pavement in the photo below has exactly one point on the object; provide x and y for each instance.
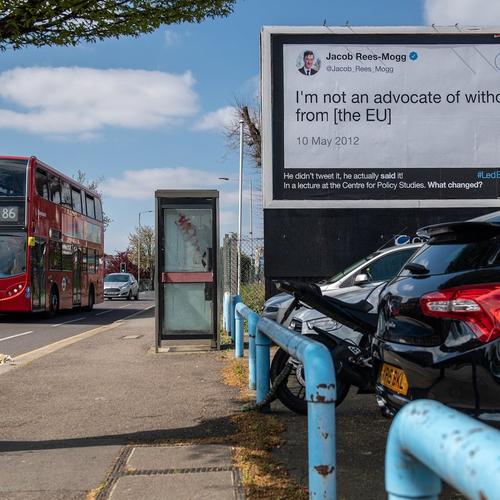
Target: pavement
(101, 416)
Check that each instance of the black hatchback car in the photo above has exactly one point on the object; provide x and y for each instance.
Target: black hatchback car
(438, 333)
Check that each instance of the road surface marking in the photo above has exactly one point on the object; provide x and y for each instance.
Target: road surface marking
(67, 322)
(104, 312)
(14, 336)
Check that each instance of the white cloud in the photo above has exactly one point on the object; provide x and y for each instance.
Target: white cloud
(464, 12)
(216, 120)
(142, 184)
(80, 101)
(171, 37)
(252, 86)
(228, 116)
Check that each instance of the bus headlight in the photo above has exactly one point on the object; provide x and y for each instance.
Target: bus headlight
(14, 289)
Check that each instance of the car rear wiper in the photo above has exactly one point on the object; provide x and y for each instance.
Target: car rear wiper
(416, 268)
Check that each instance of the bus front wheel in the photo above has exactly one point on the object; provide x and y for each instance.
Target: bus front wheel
(53, 302)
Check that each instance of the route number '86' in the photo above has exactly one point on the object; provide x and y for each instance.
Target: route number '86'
(9, 213)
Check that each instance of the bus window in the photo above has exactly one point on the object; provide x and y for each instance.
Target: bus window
(55, 189)
(84, 260)
(67, 257)
(12, 177)
(41, 183)
(90, 207)
(98, 209)
(55, 234)
(76, 199)
(90, 260)
(55, 255)
(84, 203)
(65, 194)
(93, 260)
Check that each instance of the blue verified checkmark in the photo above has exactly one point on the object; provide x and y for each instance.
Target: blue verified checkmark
(413, 56)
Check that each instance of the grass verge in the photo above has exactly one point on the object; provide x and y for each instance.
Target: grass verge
(257, 434)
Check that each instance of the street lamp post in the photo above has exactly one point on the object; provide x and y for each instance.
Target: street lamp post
(240, 200)
(251, 223)
(251, 203)
(139, 249)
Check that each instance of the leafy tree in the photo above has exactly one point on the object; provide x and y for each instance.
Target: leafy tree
(246, 268)
(81, 177)
(112, 263)
(146, 238)
(70, 22)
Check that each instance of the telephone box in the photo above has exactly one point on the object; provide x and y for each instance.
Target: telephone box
(187, 236)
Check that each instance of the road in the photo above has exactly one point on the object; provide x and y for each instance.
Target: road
(24, 333)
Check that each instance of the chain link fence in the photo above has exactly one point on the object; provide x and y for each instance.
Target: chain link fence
(252, 288)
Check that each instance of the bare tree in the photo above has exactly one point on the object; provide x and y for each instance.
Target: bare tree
(249, 112)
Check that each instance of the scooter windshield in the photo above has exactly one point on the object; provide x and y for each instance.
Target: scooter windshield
(356, 316)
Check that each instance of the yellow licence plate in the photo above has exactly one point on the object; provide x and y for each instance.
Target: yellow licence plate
(394, 378)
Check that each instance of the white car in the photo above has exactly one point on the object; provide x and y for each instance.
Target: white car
(378, 267)
(121, 286)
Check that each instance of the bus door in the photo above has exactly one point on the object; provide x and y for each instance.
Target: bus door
(77, 275)
(38, 274)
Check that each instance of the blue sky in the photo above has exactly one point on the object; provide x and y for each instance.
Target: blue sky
(146, 113)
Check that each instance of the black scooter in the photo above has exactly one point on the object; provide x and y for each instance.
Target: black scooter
(352, 362)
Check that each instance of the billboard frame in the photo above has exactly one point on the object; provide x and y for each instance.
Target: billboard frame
(311, 35)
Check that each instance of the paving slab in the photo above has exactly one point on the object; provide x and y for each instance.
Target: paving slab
(43, 473)
(183, 472)
(179, 457)
(211, 486)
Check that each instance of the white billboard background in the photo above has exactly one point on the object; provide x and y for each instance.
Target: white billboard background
(392, 106)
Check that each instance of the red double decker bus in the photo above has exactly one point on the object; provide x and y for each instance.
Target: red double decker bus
(51, 239)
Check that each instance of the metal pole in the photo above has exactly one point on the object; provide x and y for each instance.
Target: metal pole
(429, 441)
(139, 254)
(251, 232)
(320, 393)
(239, 324)
(240, 200)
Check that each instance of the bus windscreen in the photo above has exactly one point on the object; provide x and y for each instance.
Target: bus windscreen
(12, 255)
(12, 177)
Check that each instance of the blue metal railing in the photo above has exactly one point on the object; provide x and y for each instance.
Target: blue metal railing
(428, 442)
(321, 392)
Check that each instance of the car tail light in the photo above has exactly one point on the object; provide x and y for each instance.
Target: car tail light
(476, 306)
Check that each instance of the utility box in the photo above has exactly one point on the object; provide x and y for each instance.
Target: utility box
(187, 242)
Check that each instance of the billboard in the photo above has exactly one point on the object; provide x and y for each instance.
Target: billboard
(380, 117)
